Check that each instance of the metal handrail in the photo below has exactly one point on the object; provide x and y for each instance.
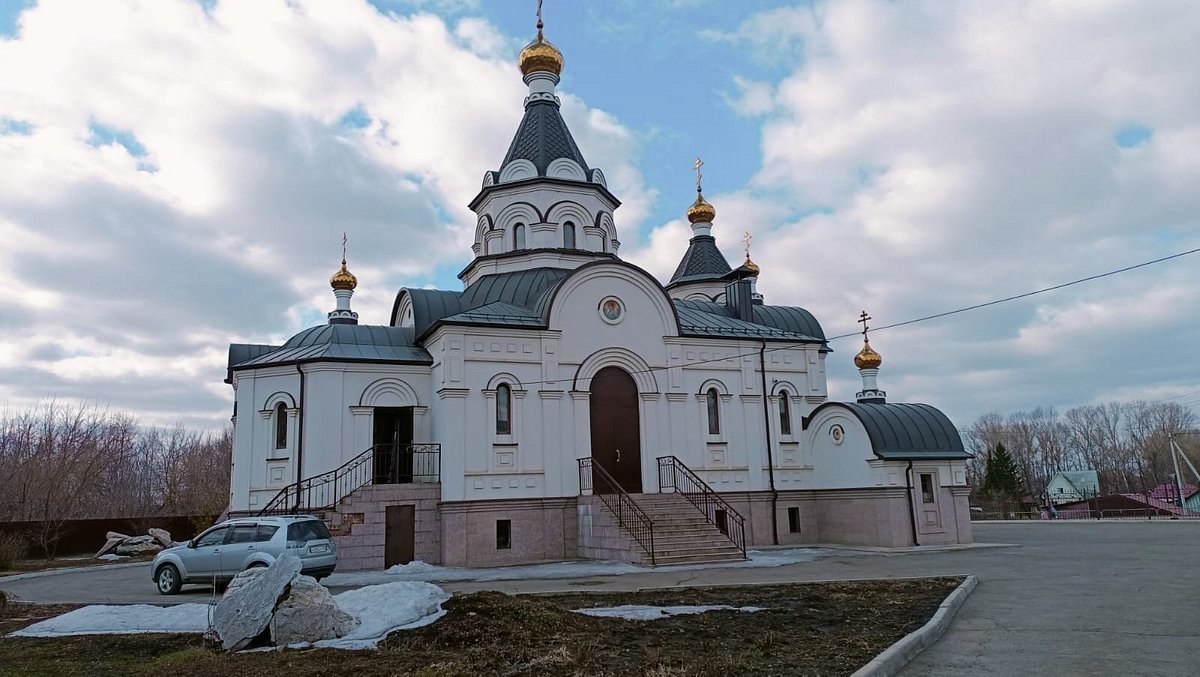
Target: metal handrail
(673, 474)
(630, 516)
(381, 464)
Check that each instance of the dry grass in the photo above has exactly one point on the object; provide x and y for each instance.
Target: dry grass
(818, 628)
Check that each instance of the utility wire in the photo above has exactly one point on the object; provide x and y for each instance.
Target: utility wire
(925, 318)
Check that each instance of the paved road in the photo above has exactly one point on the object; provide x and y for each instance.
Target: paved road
(1072, 599)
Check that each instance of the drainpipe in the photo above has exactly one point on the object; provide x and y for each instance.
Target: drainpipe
(762, 369)
(912, 508)
(299, 437)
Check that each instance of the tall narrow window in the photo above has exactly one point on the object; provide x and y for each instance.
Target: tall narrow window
(519, 236)
(503, 410)
(714, 412)
(927, 495)
(785, 414)
(280, 426)
(568, 235)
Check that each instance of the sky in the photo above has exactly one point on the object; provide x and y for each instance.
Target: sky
(176, 175)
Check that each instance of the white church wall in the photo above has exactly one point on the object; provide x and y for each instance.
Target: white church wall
(841, 450)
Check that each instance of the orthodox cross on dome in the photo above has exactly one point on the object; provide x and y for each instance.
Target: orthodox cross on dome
(698, 164)
(343, 247)
(539, 14)
(746, 237)
(863, 321)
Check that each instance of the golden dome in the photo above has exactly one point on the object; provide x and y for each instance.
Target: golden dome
(867, 358)
(540, 55)
(343, 279)
(701, 211)
(750, 265)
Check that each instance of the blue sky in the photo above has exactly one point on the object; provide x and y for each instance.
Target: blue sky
(176, 176)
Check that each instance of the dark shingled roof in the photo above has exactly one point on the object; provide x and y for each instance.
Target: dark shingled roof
(342, 343)
(904, 432)
(542, 138)
(701, 261)
(521, 299)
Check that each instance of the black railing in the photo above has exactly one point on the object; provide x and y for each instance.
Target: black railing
(673, 474)
(381, 464)
(630, 515)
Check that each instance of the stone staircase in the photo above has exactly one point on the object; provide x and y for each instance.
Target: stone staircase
(682, 535)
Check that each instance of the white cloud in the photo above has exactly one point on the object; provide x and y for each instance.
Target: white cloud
(935, 155)
(269, 128)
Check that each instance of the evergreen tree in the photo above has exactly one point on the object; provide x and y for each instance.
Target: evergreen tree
(1000, 477)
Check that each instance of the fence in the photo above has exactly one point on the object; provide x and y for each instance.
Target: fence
(85, 536)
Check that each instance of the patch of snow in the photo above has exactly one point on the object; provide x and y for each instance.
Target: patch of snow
(382, 609)
(120, 620)
(640, 612)
(112, 558)
(422, 571)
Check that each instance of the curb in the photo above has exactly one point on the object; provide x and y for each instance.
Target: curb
(895, 657)
(69, 570)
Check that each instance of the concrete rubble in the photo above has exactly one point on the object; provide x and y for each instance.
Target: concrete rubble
(122, 544)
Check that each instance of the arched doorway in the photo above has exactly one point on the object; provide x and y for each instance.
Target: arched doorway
(616, 436)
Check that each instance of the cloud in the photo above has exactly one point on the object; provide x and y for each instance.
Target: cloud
(178, 175)
(936, 155)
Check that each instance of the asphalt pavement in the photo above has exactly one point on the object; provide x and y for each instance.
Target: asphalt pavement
(1091, 598)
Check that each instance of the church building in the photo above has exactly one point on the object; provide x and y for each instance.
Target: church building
(567, 404)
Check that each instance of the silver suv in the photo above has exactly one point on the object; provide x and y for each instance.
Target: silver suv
(224, 551)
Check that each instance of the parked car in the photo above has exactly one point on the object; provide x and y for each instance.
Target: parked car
(229, 548)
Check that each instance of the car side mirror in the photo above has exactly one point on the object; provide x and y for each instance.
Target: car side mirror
(192, 543)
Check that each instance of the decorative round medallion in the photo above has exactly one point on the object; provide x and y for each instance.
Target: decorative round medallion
(612, 310)
(837, 434)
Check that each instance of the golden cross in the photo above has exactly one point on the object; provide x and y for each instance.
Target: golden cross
(343, 247)
(746, 237)
(863, 321)
(698, 164)
(539, 13)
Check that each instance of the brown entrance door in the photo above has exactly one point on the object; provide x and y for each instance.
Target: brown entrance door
(616, 440)
(392, 437)
(398, 543)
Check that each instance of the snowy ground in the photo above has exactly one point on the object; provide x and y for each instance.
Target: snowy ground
(420, 571)
(639, 612)
(379, 610)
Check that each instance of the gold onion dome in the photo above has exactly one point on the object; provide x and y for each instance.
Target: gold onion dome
(701, 211)
(867, 358)
(750, 265)
(540, 55)
(343, 279)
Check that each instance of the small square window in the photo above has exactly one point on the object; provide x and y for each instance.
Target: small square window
(503, 534)
(794, 520)
(722, 520)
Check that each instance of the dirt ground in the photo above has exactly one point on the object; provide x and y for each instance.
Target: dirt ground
(24, 566)
(815, 628)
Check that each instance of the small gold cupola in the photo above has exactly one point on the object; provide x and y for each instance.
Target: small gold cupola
(868, 361)
(701, 210)
(343, 283)
(343, 278)
(541, 54)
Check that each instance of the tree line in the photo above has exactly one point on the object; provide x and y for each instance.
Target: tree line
(61, 462)
(1126, 443)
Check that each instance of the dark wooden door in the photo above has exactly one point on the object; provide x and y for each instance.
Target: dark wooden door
(398, 541)
(392, 437)
(616, 437)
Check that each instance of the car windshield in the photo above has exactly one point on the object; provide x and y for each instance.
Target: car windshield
(310, 530)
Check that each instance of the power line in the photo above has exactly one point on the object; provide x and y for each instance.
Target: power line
(925, 318)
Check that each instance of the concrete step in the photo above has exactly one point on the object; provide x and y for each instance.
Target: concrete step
(680, 549)
(666, 560)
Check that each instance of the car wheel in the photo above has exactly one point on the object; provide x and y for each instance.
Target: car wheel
(256, 565)
(168, 580)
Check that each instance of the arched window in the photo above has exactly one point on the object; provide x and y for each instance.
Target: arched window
(280, 426)
(519, 236)
(503, 409)
(785, 414)
(569, 235)
(714, 411)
